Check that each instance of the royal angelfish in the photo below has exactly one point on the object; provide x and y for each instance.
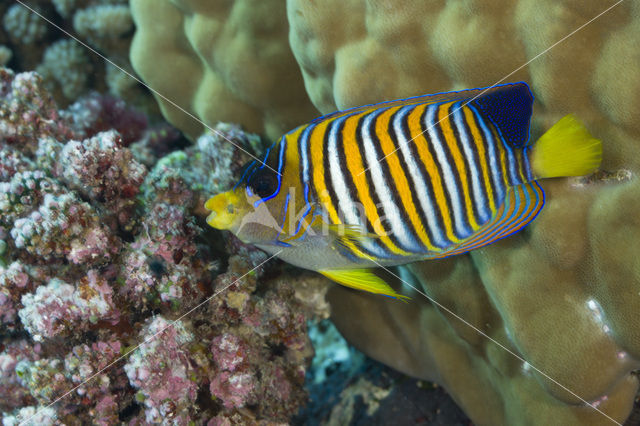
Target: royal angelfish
(395, 182)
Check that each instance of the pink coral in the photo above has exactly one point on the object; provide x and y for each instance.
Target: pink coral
(11, 162)
(97, 113)
(233, 384)
(84, 361)
(24, 192)
(100, 168)
(228, 351)
(246, 374)
(14, 282)
(234, 389)
(155, 142)
(61, 308)
(48, 379)
(13, 393)
(161, 369)
(94, 249)
(28, 112)
(159, 265)
(64, 226)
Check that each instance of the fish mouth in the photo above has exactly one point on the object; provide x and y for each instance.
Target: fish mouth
(223, 210)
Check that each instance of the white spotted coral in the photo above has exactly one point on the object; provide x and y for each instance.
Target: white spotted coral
(102, 169)
(160, 368)
(66, 66)
(106, 21)
(64, 226)
(60, 308)
(99, 281)
(23, 25)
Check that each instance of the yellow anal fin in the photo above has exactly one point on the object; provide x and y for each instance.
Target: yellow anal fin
(362, 279)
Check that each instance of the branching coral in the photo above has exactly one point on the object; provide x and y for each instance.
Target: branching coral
(28, 112)
(162, 370)
(103, 23)
(69, 69)
(66, 66)
(23, 26)
(14, 394)
(5, 55)
(65, 227)
(59, 308)
(14, 282)
(101, 259)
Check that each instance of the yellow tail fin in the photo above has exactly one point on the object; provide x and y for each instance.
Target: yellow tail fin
(566, 149)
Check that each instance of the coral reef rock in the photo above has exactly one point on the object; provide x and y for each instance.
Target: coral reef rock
(68, 68)
(115, 304)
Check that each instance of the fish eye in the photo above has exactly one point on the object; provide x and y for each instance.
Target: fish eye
(263, 182)
(245, 169)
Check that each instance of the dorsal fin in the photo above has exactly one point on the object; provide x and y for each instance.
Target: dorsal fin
(422, 99)
(508, 106)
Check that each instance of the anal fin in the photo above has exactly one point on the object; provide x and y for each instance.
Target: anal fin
(522, 205)
(362, 279)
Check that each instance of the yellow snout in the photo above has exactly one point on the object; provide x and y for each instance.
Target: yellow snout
(224, 210)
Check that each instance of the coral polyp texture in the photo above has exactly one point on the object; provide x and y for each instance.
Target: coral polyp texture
(115, 305)
(563, 294)
(234, 58)
(69, 69)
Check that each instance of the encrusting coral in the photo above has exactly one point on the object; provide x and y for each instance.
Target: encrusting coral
(562, 295)
(100, 253)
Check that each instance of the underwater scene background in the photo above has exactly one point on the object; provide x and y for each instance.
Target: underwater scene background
(118, 304)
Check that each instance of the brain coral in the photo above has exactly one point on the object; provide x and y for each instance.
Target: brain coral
(563, 295)
(228, 61)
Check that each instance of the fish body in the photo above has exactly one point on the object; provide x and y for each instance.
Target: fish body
(395, 182)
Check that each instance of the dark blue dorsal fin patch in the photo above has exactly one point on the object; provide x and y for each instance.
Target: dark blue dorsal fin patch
(509, 108)
(463, 95)
(460, 95)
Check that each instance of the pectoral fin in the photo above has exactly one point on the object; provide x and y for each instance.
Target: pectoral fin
(347, 235)
(362, 279)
